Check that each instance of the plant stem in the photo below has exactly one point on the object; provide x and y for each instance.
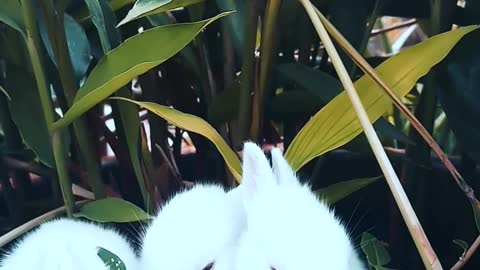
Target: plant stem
(267, 53)
(32, 39)
(248, 69)
(362, 63)
(464, 259)
(65, 183)
(429, 257)
(58, 40)
(19, 231)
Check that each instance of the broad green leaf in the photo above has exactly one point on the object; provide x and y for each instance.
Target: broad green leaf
(224, 106)
(82, 14)
(338, 191)
(377, 254)
(118, 4)
(104, 20)
(236, 22)
(144, 8)
(312, 80)
(27, 114)
(293, 105)
(198, 125)
(124, 63)
(337, 123)
(112, 261)
(327, 88)
(112, 210)
(5, 92)
(11, 14)
(78, 45)
(459, 93)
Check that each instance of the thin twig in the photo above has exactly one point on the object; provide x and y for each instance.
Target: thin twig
(464, 259)
(20, 230)
(427, 253)
(395, 27)
(363, 64)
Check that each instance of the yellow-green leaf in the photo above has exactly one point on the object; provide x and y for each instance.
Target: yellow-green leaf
(133, 57)
(143, 8)
(336, 124)
(112, 210)
(338, 191)
(198, 125)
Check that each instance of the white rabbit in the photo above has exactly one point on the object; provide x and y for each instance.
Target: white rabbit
(287, 227)
(197, 229)
(66, 244)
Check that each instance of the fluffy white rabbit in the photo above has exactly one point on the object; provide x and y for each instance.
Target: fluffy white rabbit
(287, 227)
(66, 244)
(197, 229)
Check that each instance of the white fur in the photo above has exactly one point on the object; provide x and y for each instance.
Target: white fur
(287, 227)
(66, 244)
(195, 228)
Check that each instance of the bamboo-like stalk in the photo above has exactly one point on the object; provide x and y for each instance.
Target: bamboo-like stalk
(362, 63)
(429, 257)
(267, 49)
(32, 38)
(248, 69)
(59, 44)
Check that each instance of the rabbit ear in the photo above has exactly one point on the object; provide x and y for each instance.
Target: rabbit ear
(257, 173)
(283, 172)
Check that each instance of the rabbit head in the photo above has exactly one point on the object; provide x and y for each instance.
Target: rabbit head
(66, 244)
(195, 230)
(287, 227)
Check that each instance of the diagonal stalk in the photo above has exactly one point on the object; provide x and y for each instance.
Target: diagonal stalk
(429, 257)
(358, 59)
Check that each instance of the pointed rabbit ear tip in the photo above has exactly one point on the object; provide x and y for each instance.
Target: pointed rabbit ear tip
(252, 151)
(276, 153)
(250, 147)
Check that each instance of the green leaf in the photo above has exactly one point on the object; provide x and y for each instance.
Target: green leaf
(27, 114)
(337, 123)
(144, 8)
(459, 94)
(338, 191)
(326, 88)
(112, 210)
(112, 261)
(377, 254)
(312, 80)
(198, 125)
(104, 20)
(5, 92)
(77, 42)
(293, 105)
(236, 22)
(124, 63)
(224, 106)
(462, 244)
(11, 14)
